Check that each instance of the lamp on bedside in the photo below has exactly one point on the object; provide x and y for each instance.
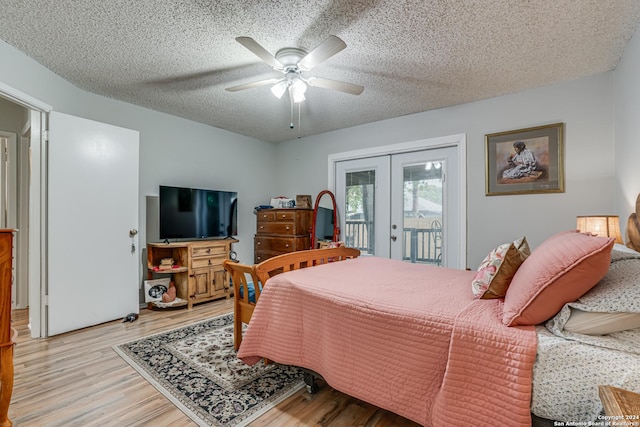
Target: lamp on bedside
(600, 225)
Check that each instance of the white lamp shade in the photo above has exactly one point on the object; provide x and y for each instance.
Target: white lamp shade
(279, 89)
(298, 88)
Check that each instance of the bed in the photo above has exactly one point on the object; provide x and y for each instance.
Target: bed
(418, 341)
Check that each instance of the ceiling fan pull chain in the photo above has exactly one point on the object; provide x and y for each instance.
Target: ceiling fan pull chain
(291, 126)
(299, 123)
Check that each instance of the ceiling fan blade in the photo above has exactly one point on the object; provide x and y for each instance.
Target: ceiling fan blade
(345, 87)
(259, 51)
(322, 52)
(252, 85)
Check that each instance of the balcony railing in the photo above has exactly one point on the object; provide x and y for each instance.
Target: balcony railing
(422, 245)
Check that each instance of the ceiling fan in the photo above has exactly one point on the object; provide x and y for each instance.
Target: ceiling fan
(293, 62)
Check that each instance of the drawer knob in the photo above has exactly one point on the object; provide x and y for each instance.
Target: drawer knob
(259, 243)
(286, 246)
(261, 227)
(287, 227)
(264, 215)
(208, 250)
(284, 216)
(209, 262)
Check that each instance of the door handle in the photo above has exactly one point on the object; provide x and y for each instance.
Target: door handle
(393, 238)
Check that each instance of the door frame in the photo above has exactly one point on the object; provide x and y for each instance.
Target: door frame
(37, 220)
(459, 141)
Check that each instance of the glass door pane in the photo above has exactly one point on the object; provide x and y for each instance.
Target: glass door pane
(359, 231)
(422, 213)
(425, 212)
(362, 196)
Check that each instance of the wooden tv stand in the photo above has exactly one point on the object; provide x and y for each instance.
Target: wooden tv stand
(197, 270)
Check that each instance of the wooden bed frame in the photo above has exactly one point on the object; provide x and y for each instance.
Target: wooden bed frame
(244, 276)
(254, 277)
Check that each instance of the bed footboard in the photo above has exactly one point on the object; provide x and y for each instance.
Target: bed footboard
(303, 259)
(248, 280)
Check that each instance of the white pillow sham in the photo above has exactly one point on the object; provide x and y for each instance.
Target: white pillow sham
(597, 323)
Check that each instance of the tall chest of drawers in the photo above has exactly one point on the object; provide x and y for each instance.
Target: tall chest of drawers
(280, 231)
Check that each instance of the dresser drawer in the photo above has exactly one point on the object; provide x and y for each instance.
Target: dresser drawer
(207, 251)
(260, 256)
(276, 215)
(207, 262)
(281, 244)
(283, 228)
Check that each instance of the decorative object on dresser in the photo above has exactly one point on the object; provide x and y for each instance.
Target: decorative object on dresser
(325, 226)
(303, 201)
(198, 274)
(7, 333)
(633, 228)
(280, 231)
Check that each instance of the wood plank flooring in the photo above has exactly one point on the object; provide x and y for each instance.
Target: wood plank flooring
(76, 379)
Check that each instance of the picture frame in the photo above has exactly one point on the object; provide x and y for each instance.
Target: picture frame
(525, 161)
(153, 289)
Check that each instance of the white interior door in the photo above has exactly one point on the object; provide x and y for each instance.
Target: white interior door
(92, 206)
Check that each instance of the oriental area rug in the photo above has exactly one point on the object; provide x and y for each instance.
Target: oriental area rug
(197, 369)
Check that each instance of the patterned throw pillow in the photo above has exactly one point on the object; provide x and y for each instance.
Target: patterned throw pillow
(498, 268)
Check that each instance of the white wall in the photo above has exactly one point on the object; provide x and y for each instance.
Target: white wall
(627, 131)
(586, 108)
(173, 151)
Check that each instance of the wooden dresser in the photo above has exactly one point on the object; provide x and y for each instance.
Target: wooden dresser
(7, 335)
(197, 270)
(279, 231)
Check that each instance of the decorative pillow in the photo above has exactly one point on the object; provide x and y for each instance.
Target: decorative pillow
(613, 305)
(498, 268)
(562, 269)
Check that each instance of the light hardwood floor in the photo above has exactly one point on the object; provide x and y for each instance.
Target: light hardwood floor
(76, 379)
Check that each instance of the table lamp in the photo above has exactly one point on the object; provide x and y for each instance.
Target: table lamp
(600, 225)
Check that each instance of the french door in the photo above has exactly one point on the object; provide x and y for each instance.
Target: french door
(403, 206)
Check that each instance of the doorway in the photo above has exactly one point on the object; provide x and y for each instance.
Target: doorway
(69, 211)
(405, 201)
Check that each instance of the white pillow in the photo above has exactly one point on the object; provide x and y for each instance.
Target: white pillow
(598, 323)
(623, 248)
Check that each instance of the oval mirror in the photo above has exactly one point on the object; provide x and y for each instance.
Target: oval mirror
(324, 227)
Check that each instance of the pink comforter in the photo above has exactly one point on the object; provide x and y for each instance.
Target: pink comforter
(405, 337)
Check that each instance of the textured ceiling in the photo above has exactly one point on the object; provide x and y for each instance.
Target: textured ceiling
(177, 56)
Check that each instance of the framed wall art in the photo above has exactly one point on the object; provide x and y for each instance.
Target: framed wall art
(525, 161)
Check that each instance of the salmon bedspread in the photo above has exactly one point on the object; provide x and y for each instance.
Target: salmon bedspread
(408, 338)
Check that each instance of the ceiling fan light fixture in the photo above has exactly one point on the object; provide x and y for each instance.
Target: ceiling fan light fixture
(279, 89)
(297, 89)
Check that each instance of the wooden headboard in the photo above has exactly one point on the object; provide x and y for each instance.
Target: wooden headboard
(633, 228)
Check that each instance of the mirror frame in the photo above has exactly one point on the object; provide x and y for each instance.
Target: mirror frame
(336, 227)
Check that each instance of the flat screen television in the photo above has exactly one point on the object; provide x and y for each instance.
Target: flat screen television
(193, 213)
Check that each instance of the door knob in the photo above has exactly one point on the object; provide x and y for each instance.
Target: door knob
(133, 232)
